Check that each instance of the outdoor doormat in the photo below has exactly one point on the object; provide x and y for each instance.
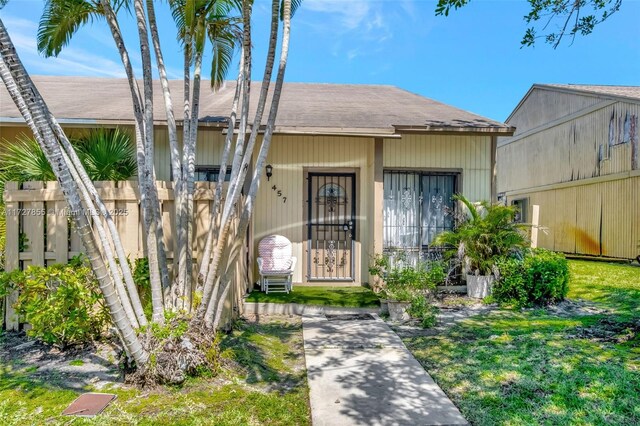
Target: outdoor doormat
(349, 317)
(89, 404)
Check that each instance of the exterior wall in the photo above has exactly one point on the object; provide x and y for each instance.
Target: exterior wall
(209, 145)
(600, 218)
(543, 106)
(290, 157)
(585, 181)
(572, 150)
(293, 155)
(470, 154)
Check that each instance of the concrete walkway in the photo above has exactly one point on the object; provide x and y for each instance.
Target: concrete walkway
(360, 373)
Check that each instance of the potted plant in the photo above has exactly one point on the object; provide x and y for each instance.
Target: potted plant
(402, 285)
(484, 234)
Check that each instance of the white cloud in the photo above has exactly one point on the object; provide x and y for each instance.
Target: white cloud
(350, 14)
(360, 24)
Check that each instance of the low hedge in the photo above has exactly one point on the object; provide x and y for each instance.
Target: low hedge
(62, 303)
(538, 277)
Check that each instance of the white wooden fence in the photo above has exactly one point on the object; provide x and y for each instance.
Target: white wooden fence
(40, 232)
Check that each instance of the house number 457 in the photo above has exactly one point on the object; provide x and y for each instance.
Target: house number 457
(279, 193)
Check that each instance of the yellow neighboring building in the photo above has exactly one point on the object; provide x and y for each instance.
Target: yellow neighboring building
(576, 154)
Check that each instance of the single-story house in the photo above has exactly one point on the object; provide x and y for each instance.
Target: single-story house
(356, 169)
(576, 154)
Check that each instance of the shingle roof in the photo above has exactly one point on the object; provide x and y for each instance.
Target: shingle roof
(341, 107)
(631, 92)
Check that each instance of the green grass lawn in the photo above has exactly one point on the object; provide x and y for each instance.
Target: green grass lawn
(538, 367)
(264, 383)
(358, 297)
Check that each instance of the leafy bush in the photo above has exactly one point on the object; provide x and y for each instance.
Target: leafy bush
(62, 303)
(406, 283)
(142, 279)
(539, 277)
(402, 282)
(421, 309)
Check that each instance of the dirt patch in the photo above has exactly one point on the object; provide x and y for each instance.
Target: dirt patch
(94, 365)
(451, 310)
(572, 308)
(608, 330)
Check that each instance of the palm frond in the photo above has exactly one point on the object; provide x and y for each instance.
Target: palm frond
(225, 35)
(24, 161)
(107, 154)
(60, 20)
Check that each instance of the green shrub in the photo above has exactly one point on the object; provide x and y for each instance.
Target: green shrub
(142, 279)
(406, 283)
(62, 303)
(421, 309)
(540, 277)
(402, 282)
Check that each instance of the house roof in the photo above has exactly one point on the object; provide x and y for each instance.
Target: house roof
(627, 92)
(304, 107)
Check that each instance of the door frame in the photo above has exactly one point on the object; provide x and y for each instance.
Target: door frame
(357, 247)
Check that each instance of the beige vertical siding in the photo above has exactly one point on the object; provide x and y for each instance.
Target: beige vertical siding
(543, 106)
(587, 188)
(470, 154)
(566, 152)
(290, 156)
(208, 149)
(601, 218)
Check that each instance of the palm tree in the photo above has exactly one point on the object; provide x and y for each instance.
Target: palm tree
(106, 154)
(60, 20)
(214, 309)
(109, 267)
(197, 21)
(69, 173)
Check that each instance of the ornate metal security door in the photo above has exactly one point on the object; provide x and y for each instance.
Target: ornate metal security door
(331, 226)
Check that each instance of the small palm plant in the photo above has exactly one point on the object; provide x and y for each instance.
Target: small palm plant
(107, 154)
(487, 233)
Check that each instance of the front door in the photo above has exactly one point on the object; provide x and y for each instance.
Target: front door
(331, 226)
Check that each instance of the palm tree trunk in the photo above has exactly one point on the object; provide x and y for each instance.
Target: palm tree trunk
(215, 222)
(151, 215)
(85, 182)
(189, 172)
(32, 107)
(239, 153)
(180, 188)
(234, 192)
(216, 306)
(171, 121)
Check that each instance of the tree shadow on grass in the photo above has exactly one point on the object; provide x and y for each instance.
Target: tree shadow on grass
(268, 354)
(547, 373)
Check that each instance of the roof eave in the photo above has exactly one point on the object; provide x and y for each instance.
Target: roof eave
(487, 130)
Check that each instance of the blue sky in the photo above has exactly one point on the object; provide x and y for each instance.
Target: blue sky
(471, 59)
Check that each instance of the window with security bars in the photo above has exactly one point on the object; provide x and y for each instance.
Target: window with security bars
(417, 207)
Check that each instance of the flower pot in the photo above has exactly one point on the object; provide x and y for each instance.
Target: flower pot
(384, 306)
(479, 286)
(398, 310)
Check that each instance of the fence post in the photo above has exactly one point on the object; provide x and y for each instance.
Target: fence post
(12, 253)
(534, 228)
